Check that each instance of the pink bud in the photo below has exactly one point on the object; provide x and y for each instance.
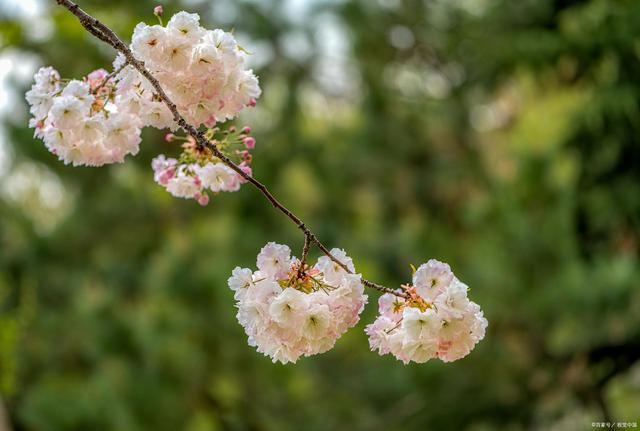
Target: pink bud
(252, 103)
(246, 169)
(249, 142)
(158, 10)
(246, 130)
(203, 199)
(169, 137)
(232, 129)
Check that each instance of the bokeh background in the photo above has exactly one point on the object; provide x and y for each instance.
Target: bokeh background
(500, 136)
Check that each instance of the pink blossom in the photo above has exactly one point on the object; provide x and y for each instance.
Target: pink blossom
(249, 142)
(203, 199)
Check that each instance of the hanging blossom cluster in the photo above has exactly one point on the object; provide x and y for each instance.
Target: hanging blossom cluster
(437, 321)
(202, 71)
(79, 121)
(98, 120)
(198, 171)
(289, 309)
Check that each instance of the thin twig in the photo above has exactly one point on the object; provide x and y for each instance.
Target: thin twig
(303, 257)
(107, 35)
(108, 77)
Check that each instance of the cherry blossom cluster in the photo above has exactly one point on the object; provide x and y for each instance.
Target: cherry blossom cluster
(79, 121)
(202, 71)
(289, 309)
(98, 120)
(198, 171)
(436, 321)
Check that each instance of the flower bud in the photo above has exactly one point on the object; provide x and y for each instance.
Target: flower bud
(158, 10)
(249, 142)
(169, 137)
(246, 169)
(203, 199)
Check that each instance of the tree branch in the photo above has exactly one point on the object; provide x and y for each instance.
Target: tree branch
(107, 35)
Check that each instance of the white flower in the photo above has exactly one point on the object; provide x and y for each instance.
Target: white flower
(157, 114)
(201, 112)
(177, 55)
(81, 91)
(223, 41)
(67, 112)
(92, 130)
(252, 315)
(289, 308)
(419, 350)
(248, 87)
(453, 302)
(317, 322)
(206, 59)
(421, 325)
(241, 278)
(54, 140)
(185, 93)
(431, 278)
(274, 260)
(122, 134)
(387, 305)
(456, 341)
(186, 26)
(378, 333)
(218, 177)
(183, 185)
(264, 290)
(40, 104)
(285, 354)
(40, 96)
(331, 271)
(148, 43)
(47, 80)
(479, 325)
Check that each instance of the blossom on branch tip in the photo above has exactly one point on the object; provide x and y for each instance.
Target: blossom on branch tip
(437, 320)
(202, 71)
(78, 126)
(288, 312)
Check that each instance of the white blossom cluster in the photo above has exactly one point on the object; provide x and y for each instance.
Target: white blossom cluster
(192, 180)
(97, 120)
(287, 316)
(437, 321)
(78, 123)
(202, 71)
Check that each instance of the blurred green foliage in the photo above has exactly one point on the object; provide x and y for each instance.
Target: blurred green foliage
(499, 136)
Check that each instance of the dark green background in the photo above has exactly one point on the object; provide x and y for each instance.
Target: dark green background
(499, 136)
